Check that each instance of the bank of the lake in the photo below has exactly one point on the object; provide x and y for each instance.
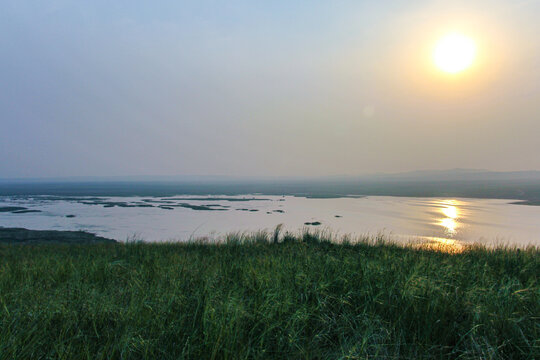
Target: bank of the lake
(251, 298)
(21, 236)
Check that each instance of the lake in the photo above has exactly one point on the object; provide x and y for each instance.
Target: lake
(452, 220)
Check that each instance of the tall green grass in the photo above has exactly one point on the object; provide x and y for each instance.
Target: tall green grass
(253, 297)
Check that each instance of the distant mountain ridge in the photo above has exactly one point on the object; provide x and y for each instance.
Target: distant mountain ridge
(517, 185)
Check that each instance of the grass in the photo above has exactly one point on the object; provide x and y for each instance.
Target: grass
(256, 297)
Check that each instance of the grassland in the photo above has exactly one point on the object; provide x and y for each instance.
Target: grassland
(249, 298)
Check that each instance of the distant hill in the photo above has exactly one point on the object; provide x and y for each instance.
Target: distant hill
(519, 185)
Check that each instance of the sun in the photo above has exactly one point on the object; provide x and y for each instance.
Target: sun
(454, 53)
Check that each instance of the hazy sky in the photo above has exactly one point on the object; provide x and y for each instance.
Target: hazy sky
(264, 87)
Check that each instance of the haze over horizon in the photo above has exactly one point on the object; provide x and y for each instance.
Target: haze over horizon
(248, 88)
(421, 175)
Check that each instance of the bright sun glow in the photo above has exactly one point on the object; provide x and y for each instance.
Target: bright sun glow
(454, 53)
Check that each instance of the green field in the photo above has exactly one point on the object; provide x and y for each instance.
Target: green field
(303, 298)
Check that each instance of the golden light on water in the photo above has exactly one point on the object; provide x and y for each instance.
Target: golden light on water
(442, 245)
(450, 211)
(451, 214)
(450, 225)
(454, 53)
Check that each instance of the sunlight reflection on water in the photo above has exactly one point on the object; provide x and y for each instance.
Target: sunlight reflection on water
(450, 222)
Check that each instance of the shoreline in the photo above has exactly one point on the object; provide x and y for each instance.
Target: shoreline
(22, 236)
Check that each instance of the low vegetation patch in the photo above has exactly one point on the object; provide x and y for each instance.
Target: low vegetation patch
(267, 296)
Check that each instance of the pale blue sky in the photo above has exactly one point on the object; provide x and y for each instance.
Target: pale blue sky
(263, 88)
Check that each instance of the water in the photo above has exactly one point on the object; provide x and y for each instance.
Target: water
(457, 220)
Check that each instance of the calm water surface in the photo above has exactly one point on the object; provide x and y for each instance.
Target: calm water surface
(434, 219)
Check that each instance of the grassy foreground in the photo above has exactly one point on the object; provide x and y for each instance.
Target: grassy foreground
(249, 298)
